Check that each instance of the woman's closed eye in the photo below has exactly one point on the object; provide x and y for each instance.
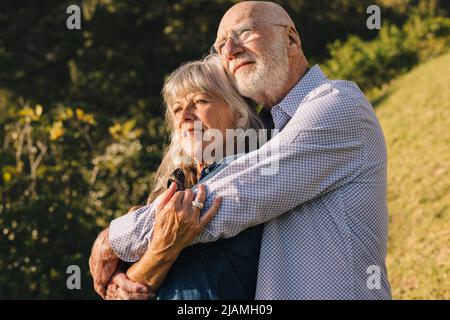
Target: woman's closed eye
(200, 101)
(176, 109)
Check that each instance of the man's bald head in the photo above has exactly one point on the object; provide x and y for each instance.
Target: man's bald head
(261, 50)
(255, 11)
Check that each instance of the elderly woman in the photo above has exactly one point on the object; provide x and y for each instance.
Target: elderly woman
(199, 99)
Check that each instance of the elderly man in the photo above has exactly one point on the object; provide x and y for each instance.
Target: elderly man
(324, 210)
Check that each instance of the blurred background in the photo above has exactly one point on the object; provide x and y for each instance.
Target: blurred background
(81, 129)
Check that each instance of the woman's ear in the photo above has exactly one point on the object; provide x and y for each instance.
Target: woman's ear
(241, 121)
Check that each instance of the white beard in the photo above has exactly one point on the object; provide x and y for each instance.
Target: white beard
(269, 73)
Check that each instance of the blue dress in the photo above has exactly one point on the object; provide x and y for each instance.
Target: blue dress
(224, 269)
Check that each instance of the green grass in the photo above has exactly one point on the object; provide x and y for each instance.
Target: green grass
(415, 116)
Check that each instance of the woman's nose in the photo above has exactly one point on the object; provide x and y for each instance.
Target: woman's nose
(187, 114)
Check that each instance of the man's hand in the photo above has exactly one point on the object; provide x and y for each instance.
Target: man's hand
(122, 288)
(102, 262)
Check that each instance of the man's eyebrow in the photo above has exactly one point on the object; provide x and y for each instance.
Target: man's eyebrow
(244, 25)
(220, 38)
(235, 28)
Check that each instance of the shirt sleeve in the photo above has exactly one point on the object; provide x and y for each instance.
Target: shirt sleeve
(319, 150)
(129, 234)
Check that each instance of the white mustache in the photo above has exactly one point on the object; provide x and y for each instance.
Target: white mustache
(243, 59)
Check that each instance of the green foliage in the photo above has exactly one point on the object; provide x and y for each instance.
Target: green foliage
(81, 119)
(57, 191)
(394, 51)
(429, 36)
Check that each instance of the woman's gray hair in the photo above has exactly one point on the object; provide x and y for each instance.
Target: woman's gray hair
(208, 76)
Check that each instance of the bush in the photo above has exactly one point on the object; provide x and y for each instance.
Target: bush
(394, 52)
(430, 37)
(59, 186)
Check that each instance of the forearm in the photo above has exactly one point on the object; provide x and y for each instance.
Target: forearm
(309, 158)
(152, 268)
(102, 262)
(129, 234)
(315, 153)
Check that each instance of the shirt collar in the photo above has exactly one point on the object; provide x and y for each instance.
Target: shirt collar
(207, 170)
(313, 78)
(178, 175)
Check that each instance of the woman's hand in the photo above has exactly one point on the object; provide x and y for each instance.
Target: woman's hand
(177, 224)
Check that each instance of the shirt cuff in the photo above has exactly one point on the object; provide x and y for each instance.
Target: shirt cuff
(125, 238)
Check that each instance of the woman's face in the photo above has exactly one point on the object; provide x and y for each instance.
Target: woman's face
(199, 120)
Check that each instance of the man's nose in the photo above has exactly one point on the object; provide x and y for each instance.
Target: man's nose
(231, 49)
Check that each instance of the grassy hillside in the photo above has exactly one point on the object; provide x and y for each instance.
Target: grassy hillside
(415, 116)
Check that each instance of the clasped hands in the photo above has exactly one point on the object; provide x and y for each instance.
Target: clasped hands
(177, 223)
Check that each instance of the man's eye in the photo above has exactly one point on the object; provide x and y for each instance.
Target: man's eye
(219, 46)
(244, 33)
(200, 101)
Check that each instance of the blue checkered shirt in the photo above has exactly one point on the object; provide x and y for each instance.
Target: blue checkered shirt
(319, 186)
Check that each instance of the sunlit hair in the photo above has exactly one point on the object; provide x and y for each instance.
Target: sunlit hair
(207, 76)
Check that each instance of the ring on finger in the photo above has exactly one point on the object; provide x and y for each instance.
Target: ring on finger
(198, 204)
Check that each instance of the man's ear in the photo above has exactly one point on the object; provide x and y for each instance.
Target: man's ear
(294, 43)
